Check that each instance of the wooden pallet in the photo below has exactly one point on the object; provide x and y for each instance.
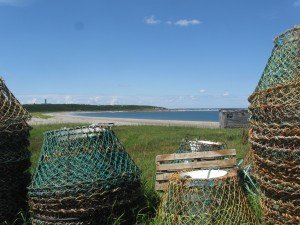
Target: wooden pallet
(167, 165)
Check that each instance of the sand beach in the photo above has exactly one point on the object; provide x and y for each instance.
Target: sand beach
(67, 117)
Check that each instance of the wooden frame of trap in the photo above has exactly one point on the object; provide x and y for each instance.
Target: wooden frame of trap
(168, 164)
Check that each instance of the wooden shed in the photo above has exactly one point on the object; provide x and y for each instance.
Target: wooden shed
(233, 118)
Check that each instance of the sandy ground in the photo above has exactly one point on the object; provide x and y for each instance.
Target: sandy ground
(66, 117)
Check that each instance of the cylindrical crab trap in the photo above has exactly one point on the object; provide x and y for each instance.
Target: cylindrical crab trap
(275, 131)
(84, 176)
(205, 197)
(14, 155)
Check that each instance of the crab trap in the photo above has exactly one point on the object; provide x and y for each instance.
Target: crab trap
(84, 176)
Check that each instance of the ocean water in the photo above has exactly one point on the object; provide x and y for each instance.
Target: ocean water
(212, 116)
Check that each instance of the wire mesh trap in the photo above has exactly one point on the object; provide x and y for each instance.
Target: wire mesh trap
(193, 154)
(11, 110)
(14, 155)
(284, 63)
(84, 174)
(205, 197)
(14, 163)
(275, 131)
(197, 145)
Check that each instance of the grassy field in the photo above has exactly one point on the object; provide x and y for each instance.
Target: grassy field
(145, 142)
(40, 115)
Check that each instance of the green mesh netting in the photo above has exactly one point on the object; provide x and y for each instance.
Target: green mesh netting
(11, 111)
(84, 174)
(275, 132)
(205, 201)
(246, 171)
(284, 64)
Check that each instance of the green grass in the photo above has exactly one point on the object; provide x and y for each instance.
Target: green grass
(143, 143)
(40, 115)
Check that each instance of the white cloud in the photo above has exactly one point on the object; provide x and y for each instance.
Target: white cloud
(14, 2)
(94, 100)
(297, 3)
(68, 99)
(226, 93)
(32, 101)
(192, 97)
(114, 100)
(185, 23)
(202, 91)
(151, 20)
(170, 101)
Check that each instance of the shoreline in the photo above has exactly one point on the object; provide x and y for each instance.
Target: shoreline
(67, 117)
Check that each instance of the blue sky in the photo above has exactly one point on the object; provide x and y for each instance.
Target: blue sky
(172, 53)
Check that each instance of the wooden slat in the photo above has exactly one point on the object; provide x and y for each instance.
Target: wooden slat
(161, 185)
(160, 177)
(196, 155)
(163, 176)
(165, 168)
(197, 165)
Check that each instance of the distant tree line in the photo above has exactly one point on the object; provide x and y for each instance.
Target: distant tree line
(79, 107)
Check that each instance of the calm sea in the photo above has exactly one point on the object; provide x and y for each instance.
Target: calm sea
(160, 115)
